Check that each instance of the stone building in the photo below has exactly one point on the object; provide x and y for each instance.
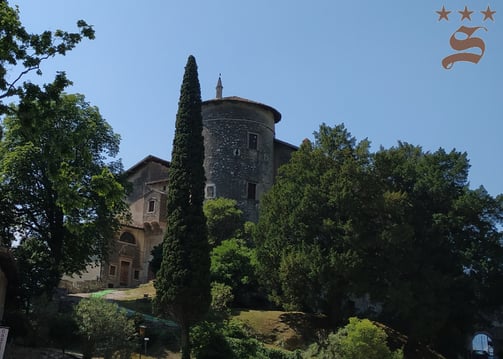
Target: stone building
(242, 157)
(242, 154)
(129, 263)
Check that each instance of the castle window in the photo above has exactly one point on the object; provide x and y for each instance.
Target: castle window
(252, 190)
(210, 191)
(112, 270)
(151, 206)
(136, 274)
(252, 141)
(127, 238)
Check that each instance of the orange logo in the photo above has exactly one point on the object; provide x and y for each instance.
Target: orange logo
(465, 46)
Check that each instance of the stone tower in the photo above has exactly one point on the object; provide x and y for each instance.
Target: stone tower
(239, 142)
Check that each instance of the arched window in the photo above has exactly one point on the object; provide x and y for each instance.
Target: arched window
(127, 238)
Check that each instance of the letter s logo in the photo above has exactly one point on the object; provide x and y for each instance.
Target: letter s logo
(464, 44)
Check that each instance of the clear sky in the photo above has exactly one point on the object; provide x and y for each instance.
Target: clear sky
(374, 65)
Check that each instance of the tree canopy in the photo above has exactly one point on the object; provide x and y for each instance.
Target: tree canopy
(400, 225)
(224, 219)
(57, 177)
(24, 52)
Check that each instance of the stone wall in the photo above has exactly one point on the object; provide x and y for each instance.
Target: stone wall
(230, 164)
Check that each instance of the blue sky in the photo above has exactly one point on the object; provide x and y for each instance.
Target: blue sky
(373, 65)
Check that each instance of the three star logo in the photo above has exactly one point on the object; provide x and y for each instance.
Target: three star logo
(468, 40)
(466, 13)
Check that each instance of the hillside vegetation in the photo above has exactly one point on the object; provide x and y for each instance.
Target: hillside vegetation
(276, 329)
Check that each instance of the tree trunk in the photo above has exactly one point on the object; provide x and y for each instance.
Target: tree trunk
(185, 341)
(88, 350)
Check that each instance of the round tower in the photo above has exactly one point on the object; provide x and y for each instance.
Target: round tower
(239, 149)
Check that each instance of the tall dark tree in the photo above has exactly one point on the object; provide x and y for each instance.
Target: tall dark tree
(183, 281)
(22, 53)
(401, 225)
(56, 173)
(310, 221)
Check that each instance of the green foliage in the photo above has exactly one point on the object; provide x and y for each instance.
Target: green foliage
(21, 53)
(183, 281)
(401, 225)
(35, 268)
(360, 339)
(221, 297)
(208, 341)
(230, 340)
(25, 52)
(55, 173)
(63, 330)
(234, 264)
(224, 220)
(309, 222)
(155, 263)
(105, 328)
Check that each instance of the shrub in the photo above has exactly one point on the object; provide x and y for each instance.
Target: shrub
(360, 339)
(231, 340)
(234, 263)
(105, 328)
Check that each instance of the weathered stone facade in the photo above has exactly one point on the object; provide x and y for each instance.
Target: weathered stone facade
(129, 263)
(242, 157)
(239, 144)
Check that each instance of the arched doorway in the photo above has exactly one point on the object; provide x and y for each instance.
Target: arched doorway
(482, 346)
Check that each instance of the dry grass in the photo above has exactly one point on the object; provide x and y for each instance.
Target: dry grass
(132, 293)
(286, 330)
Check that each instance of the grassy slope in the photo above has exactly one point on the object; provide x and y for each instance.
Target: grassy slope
(285, 330)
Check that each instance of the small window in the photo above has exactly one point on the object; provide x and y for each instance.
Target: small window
(112, 270)
(252, 190)
(136, 274)
(151, 206)
(252, 141)
(127, 238)
(210, 191)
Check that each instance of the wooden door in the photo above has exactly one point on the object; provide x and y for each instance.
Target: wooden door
(124, 274)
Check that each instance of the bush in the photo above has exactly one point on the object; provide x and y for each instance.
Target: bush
(230, 340)
(234, 263)
(105, 328)
(209, 342)
(360, 339)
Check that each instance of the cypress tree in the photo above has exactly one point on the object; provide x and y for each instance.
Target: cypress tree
(183, 281)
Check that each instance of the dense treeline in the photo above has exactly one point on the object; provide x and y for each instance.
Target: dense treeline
(400, 226)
